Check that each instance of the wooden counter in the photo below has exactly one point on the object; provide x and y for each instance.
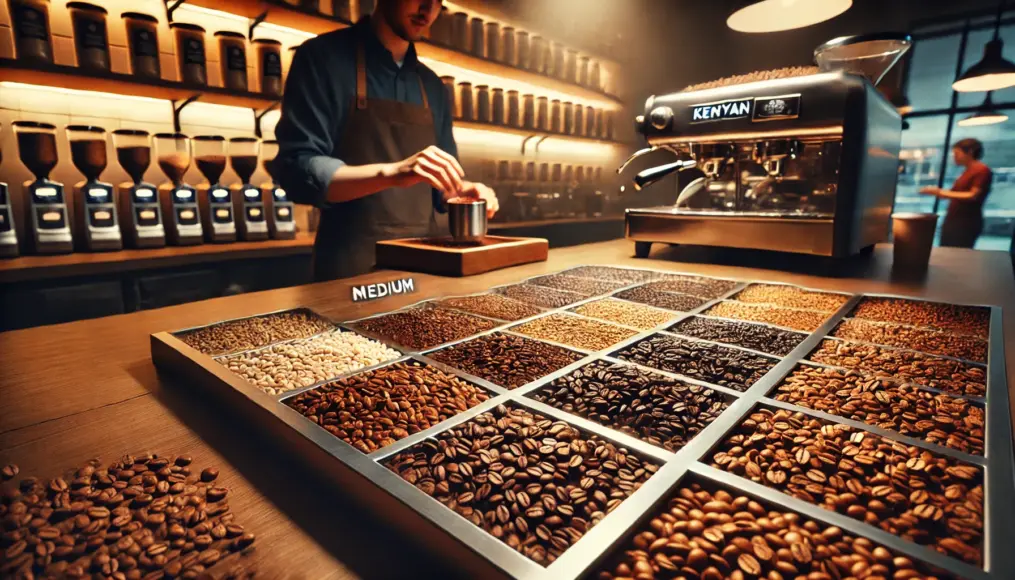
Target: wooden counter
(88, 389)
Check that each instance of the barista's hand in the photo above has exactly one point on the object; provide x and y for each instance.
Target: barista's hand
(479, 191)
(930, 190)
(432, 165)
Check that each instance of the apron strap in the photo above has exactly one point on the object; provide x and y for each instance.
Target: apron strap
(361, 80)
(422, 91)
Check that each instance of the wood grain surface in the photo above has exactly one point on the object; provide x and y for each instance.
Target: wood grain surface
(447, 259)
(88, 389)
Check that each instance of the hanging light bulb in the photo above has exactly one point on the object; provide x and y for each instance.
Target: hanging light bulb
(985, 115)
(776, 15)
(993, 72)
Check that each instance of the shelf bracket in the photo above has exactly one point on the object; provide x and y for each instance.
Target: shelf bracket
(258, 115)
(540, 142)
(177, 109)
(254, 23)
(171, 6)
(526, 142)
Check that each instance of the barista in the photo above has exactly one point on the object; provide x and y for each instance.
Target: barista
(365, 135)
(964, 219)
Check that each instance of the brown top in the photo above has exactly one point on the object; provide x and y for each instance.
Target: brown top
(88, 389)
(977, 176)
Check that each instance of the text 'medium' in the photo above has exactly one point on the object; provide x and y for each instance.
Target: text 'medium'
(367, 292)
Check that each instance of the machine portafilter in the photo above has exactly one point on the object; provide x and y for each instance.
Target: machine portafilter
(653, 174)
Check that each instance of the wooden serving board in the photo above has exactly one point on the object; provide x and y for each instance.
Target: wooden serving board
(443, 257)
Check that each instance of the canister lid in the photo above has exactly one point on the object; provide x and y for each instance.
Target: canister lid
(86, 6)
(244, 140)
(131, 132)
(140, 16)
(209, 138)
(170, 136)
(186, 26)
(86, 128)
(230, 34)
(33, 125)
(267, 41)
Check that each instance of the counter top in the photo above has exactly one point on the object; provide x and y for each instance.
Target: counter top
(88, 389)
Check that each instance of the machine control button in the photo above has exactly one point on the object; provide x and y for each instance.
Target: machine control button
(661, 117)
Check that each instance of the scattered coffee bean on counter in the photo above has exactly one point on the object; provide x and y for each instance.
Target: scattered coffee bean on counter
(626, 313)
(506, 360)
(374, 409)
(908, 366)
(541, 295)
(719, 365)
(709, 533)
(921, 339)
(941, 419)
(661, 299)
(710, 288)
(249, 333)
(575, 331)
(954, 318)
(425, 327)
(491, 306)
(753, 336)
(536, 484)
(654, 408)
(791, 297)
(585, 286)
(921, 496)
(786, 317)
(139, 517)
(283, 367)
(612, 274)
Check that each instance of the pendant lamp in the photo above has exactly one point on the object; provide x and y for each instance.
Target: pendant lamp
(776, 15)
(993, 72)
(986, 114)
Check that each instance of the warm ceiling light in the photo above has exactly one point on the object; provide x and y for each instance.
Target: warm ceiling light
(986, 115)
(776, 15)
(993, 72)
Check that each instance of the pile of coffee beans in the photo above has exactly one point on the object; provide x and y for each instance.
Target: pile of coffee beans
(708, 533)
(536, 484)
(283, 367)
(954, 318)
(654, 408)
(753, 336)
(921, 496)
(611, 274)
(586, 286)
(941, 419)
(506, 360)
(710, 288)
(662, 299)
(791, 297)
(425, 327)
(575, 331)
(626, 313)
(808, 320)
(906, 365)
(541, 295)
(922, 339)
(139, 517)
(491, 306)
(374, 409)
(753, 77)
(720, 365)
(249, 333)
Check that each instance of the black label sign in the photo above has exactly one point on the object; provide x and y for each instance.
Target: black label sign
(780, 107)
(91, 33)
(145, 195)
(236, 58)
(30, 22)
(5, 220)
(193, 51)
(272, 64)
(145, 43)
(368, 292)
(721, 111)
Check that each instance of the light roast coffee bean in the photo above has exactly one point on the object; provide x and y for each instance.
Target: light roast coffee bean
(626, 313)
(587, 286)
(574, 331)
(506, 360)
(249, 333)
(611, 274)
(541, 295)
(710, 288)
(753, 336)
(791, 297)
(786, 317)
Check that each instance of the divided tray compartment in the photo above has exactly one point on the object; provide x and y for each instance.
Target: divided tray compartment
(479, 554)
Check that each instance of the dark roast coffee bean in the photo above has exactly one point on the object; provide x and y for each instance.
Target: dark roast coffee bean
(753, 336)
(506, 360)
(707, 362)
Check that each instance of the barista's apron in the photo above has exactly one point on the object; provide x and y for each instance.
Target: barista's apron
(376, 131)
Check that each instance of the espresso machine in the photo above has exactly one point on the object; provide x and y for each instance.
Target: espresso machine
(95, 219)
(179, 200)
(281, 218)
(49, 230)
(251, 221)
(805, 163)
(8, 234)
(215, 199)
(140, 210)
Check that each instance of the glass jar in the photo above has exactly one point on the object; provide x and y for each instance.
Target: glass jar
(595, 82)
(579, 120)
(529, 114)
(537, 61)
(465, 102)
(233, 59)
(493, 41)
(483, 112)
(460, 32)
(269, 66)
(608, 130)
(524, 49)
(342, 10)
(571, 66)
(568, 121)
(143, 44)
(557, 52)
(497, 107)
(507, 49)
(91, 42)
(590, 121)
(543, 114)
(583, 71)
(30, 19)
(190, 56)
(477, 37)
(514, 114)
(556, 126)
(440, 32)
(449, 90)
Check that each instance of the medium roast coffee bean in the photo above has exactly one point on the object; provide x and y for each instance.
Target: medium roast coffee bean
(626, 313)
(587, 286)
(611, 274)
(662, 299)
(921, 339)
(424, 327)
(710, 288)
(786, 317)
(954, 318)
(249, 333)
(491, 306)
(509, 361)
(753, 336)
(574, 331)
(541, 295)
(791, 297)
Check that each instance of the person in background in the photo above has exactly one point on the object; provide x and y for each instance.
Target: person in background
(365, 135)
(964, 220)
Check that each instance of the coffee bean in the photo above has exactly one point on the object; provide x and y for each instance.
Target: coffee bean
(574, 331)
(250, 333)
(941, 419)
(652, 407)
(612, 274)
(921, 339)
(791, 297)
(509, 361)
(528, 508)
(374, 409)
(710, 288)
(623, 312)
(209, 474)
(10, 471)
(712, 363)
(662, 299)
(540, 295)
(492, 306)
(424, 327)
(913, 481)
(954, 318)
(795, 319)
(753, 336)
(587, 286)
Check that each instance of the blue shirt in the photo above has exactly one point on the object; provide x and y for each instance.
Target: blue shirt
(321, 88)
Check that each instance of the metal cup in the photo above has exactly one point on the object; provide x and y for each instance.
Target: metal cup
(467, 219)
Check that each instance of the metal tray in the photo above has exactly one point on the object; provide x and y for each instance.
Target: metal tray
(482, 555)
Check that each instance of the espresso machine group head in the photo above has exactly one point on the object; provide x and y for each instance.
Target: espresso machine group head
(802, 163)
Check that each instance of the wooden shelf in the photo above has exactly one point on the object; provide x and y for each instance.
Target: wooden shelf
(72, 77)
(28, 268)
(459, 124)
(279, 13)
